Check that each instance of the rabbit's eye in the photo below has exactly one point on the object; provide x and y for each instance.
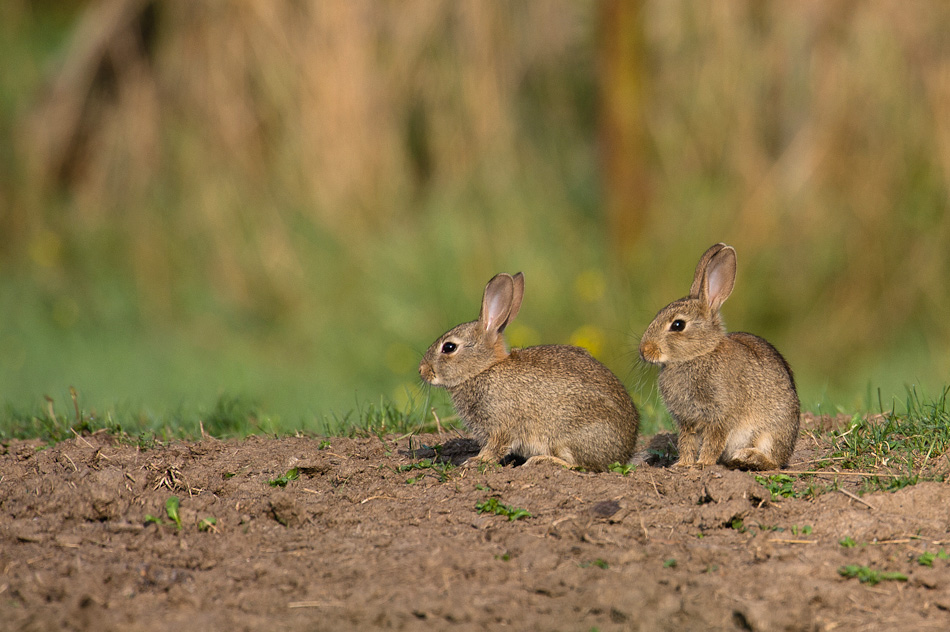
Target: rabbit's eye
(449, 347)
(678, 325)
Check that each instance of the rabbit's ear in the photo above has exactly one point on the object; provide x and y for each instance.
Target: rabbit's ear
(517, 295)
(700, 273)
(720, 278)
(497, 303)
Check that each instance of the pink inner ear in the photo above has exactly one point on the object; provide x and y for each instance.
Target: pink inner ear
(716, 279)
(497, 311)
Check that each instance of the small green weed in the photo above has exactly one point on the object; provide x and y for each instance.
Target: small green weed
(324, 445)
(171, 508)
(783, 486)
(208, 524)
(441, 469)
(150, 519)
(847, 542)
(493, 505)
(779, 485)
(281, 481)
(623, 469)
(803, 530)
(927, 559)
(669, 563)
(599, 563)
(737, 524)
(870, 576)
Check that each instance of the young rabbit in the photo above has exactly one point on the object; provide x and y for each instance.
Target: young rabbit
(549, 403)
(732, 395)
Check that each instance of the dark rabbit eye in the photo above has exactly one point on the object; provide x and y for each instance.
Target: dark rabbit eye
(449, 347)
(678, 325)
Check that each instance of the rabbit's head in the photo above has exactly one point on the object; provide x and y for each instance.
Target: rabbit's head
(470, 348)
(693, 326)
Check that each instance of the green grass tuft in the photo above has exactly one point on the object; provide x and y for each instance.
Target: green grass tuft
(493, 505)
(624, 469)
(910, 440)
(281, 481)
(427, 465)
(870, 576)
(927, 558)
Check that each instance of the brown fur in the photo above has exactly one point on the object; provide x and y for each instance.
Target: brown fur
(732, 395)
(547, 403)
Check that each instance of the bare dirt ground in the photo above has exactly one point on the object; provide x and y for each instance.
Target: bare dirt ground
(361, 541)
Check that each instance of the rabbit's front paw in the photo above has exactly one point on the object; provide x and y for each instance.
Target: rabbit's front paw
(477, 461)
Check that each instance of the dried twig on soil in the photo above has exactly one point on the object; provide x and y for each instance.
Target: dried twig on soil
(856, 497)
(438, 424)
(312, 604)
(819, 460)
(79, 436)
(366, 500)
(658, 494)
(836, 473)
(75, 469)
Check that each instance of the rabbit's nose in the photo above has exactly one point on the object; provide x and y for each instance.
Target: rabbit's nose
(426, 372)
(650, 352)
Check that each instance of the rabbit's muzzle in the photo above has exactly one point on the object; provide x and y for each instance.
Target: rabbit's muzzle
(427, 372)
(650, 352)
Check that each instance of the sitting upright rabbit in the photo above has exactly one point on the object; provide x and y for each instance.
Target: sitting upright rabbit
(732, 395)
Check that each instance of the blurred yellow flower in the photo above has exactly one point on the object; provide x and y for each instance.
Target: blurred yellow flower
(590, 285)
(590, 337)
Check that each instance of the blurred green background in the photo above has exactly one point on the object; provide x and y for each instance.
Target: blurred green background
(283, 204)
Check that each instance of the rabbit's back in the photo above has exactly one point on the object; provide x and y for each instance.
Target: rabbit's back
(569, 380)
(551, 398)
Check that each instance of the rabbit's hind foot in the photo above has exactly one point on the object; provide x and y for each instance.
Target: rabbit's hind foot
(752, 459)
(547, 458)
